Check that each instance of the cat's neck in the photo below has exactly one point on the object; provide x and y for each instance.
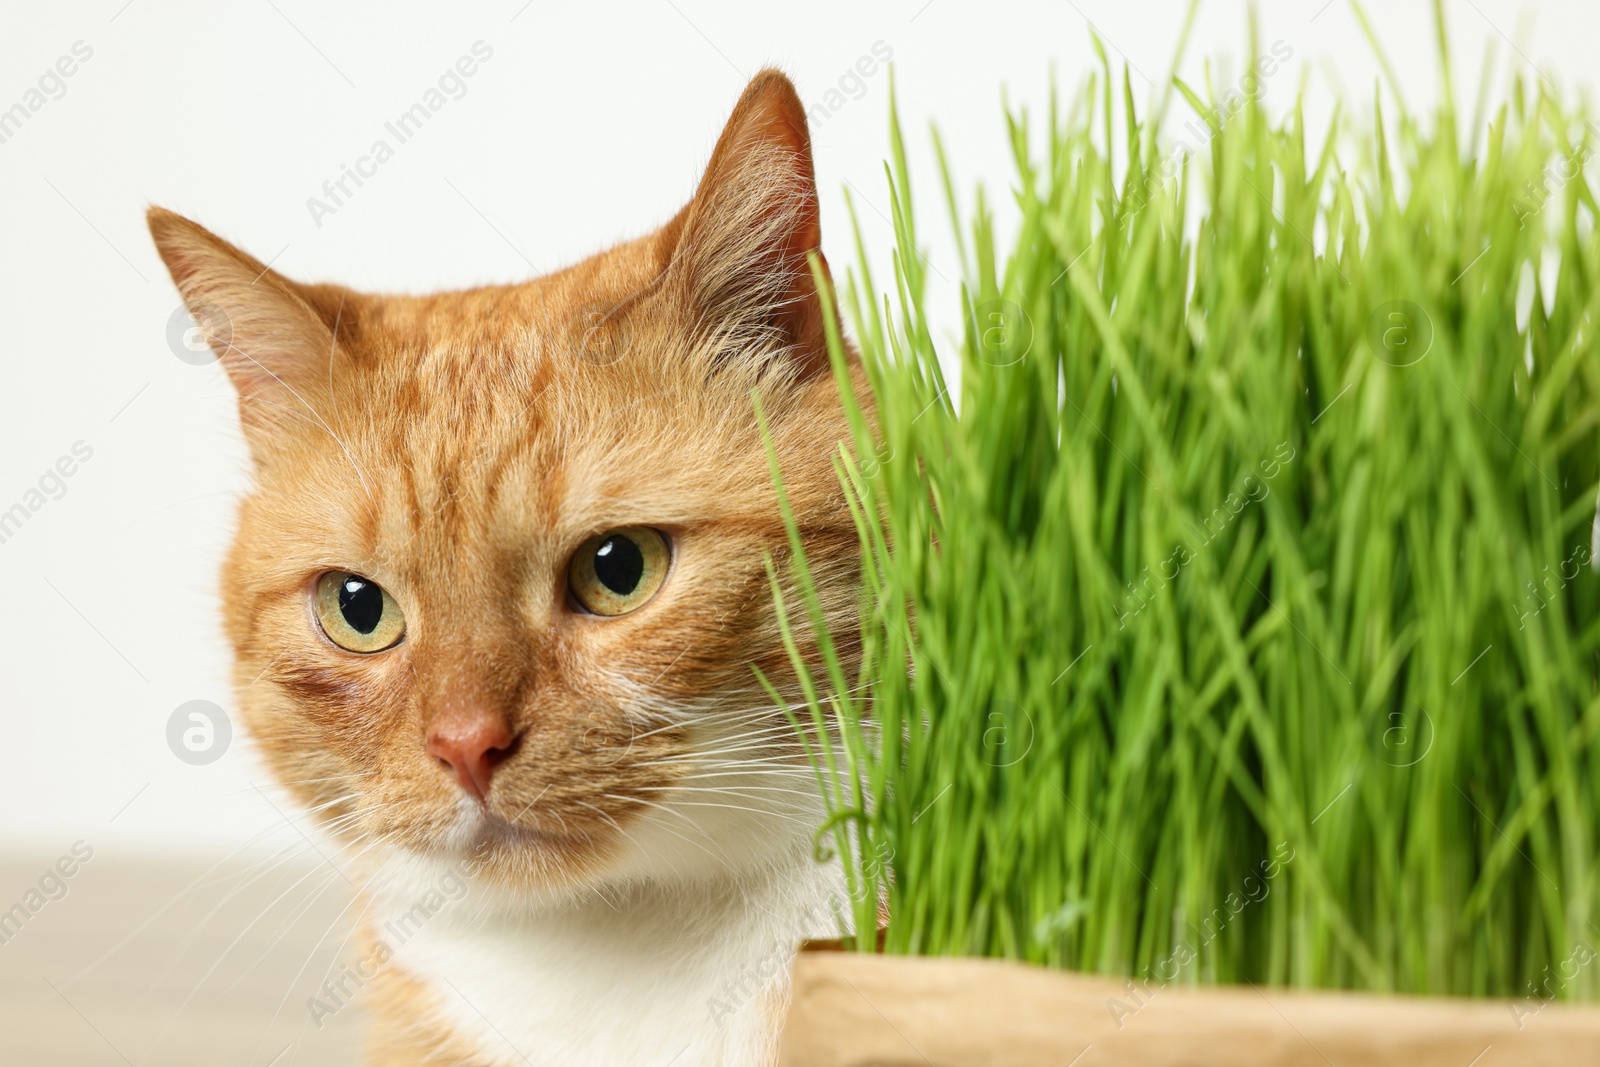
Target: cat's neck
(638, 973)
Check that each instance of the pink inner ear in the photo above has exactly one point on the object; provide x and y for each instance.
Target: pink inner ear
(267, 336)
(755, 218)
(781, 123)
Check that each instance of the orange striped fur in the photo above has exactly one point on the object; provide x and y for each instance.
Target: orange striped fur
(457, 449)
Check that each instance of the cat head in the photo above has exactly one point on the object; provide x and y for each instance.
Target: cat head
(498, 589)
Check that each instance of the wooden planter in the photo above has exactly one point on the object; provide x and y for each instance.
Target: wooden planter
(856, 1010)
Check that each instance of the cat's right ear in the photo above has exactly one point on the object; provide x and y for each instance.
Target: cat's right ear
(265, 331)
(741, 248)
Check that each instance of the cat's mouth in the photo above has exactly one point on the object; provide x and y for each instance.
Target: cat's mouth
(516, 854)
(532, 836)
(486, 830)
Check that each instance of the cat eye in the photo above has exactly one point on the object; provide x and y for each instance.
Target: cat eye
(619, 570)
(357, 613)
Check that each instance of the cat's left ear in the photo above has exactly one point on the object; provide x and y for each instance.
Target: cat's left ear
(273, 336)
(741, 245)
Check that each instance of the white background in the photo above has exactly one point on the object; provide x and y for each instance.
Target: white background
(589, 124)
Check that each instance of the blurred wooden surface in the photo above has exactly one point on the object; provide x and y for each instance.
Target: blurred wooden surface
(175, 962)
(854, 1010)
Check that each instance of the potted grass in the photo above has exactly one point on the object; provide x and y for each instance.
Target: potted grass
(1245, 587)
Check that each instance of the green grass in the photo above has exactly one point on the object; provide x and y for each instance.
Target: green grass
(1238, 650)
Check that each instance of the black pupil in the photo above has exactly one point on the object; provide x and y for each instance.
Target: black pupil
(361, 604)
(619, 564)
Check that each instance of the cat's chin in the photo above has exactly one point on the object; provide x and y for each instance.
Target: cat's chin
(484, 838)
(555, 865)
(494, 833)
(491, 852)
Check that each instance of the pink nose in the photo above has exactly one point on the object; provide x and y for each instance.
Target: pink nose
(471, 747)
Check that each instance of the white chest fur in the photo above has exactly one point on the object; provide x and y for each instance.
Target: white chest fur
(691, 976)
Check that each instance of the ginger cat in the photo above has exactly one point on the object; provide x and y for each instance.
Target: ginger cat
(495, 598)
